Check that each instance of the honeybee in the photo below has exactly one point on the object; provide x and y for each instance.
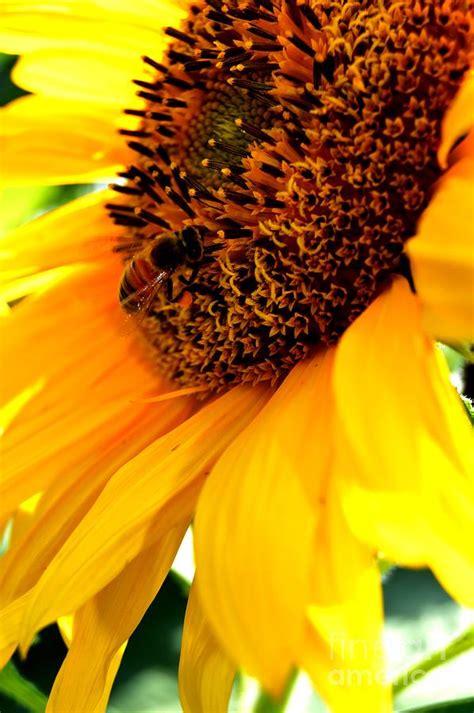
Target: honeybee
(152, 268)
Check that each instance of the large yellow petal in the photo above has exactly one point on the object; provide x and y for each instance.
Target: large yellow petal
(442, 256)
(205, 671)
(80, 231)
(55, 330)
(146, 498)
(384, 359)
(82, 419)
(104, 624)
(81, 74)
(106, 25)
(67, 346)
(404, 451)
(51, 140)
(255, 526)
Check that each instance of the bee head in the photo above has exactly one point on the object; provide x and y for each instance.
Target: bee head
(192, 241)
(167, 252)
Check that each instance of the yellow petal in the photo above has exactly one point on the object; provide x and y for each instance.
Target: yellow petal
(104, 625)
(352, 682)
(50, 140)
(22, 520)
(72, 345)
(66, 628)
(442, 256)
(393, 410)
(80, 231)
(11, 408)
(459, 118)
(6, 654)
(81, 74)
(15, 288)
(205, 672)
(56, 329)
(452, 557)
(343, 651)
(67, 501)
(404, 458)
(146, 498)
(105, 25)
(254, 528)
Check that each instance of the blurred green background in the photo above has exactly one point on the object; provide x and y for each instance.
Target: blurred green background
(420, 616)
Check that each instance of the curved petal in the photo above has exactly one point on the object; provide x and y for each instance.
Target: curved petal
(103, 626)
(67, 501)
(254, 530)
(442, 256)
(406, 467)
(459, 118)
(50, 141)
(146, 498)
(205, 672)
(78, 232)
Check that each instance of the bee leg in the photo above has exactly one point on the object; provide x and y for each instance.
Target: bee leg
(189, 280)
(214, 247)
(169, 289)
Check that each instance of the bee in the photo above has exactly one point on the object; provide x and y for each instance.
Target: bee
(152, 269)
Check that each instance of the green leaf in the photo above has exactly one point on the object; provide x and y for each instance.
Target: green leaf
(463, 642)
(469, 406)
(21, 204)
(457, 354)
(464, 705)
(21, 691)
(386, 568)
(421, 620)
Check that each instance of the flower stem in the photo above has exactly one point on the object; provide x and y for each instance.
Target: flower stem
(459, 645)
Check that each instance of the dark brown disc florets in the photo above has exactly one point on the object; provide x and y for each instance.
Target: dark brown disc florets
(300, 140)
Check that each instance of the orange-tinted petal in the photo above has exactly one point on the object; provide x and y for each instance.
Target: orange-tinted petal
(442, 256)
(146, 498)
(80, 231)
(459, 119)
(67, 501)
(103, 626)
(68, 346)
(205, 671)
(255, 523)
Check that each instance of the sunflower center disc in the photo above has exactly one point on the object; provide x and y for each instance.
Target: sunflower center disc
(297, 144)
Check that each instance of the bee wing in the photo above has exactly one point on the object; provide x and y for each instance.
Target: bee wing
(143, 298)
(145, 295)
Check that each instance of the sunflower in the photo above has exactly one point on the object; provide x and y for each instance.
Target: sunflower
(237, 333)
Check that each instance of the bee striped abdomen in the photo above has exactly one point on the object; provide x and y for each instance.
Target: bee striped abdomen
(136, 280)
